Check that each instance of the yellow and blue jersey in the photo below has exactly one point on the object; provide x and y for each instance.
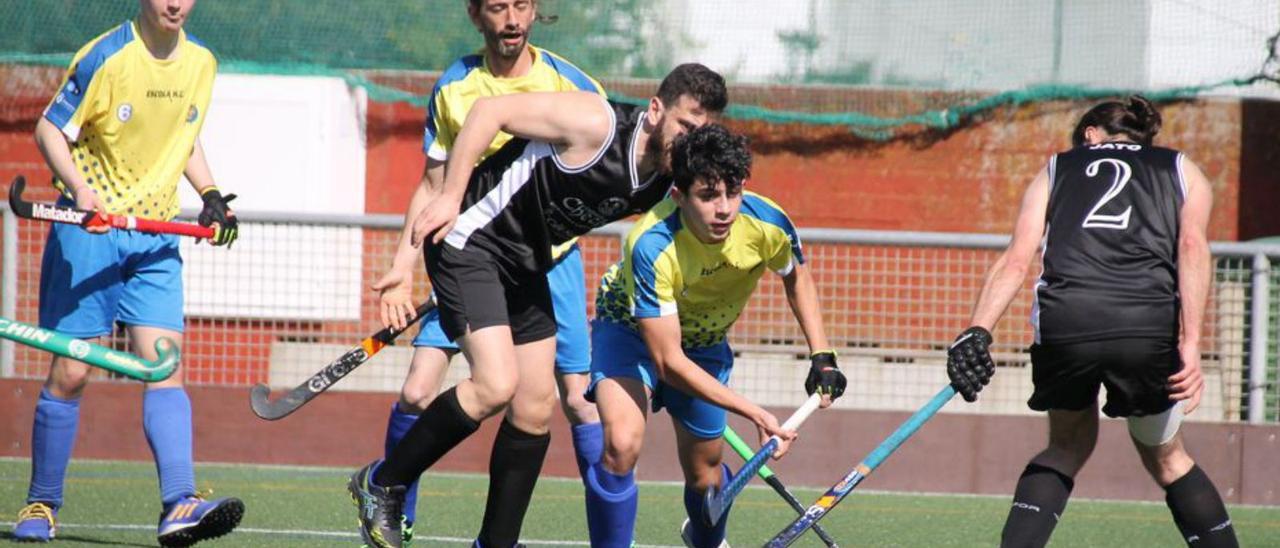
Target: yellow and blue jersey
(132, 119)
(666, 270)
(469, 78)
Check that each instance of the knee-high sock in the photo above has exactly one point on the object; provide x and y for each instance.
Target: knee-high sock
(438, 429)
(1038, 503)
(588, 445)
(398, 424)
(611, 506)
(701, 535)
(166, 418)
(1199, 512)
(53, 435)
(514, 466)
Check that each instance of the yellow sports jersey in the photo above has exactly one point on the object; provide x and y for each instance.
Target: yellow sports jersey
(666, 270)
(133, 119)
(469, 79)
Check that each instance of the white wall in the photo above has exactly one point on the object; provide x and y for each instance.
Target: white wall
(987, 44)
(283, 144)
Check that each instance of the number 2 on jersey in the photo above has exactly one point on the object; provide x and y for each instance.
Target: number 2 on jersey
(1098, 220)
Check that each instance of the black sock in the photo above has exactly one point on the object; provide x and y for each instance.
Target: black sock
(513, 472)
(438, 429)
(1198, 511)
(1038, 503)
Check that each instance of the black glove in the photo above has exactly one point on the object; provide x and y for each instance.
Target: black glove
(824, 376)
(216, 211)
(969, 362)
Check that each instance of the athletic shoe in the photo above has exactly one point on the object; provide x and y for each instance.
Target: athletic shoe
(685, 535)
(196, 518)
(406, 531)
(379, 509)
(36, 523)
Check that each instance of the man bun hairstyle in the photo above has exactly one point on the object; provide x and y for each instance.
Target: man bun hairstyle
(698, 82)
(1135, 117)
(711, 153)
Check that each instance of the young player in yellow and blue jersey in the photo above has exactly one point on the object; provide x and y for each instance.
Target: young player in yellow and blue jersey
(122, 128)
(508, 64)
(662, 317)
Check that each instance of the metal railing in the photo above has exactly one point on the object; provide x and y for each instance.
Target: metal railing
(293, 293)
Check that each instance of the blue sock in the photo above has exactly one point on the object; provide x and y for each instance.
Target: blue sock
(166, 418)
(588, 444)
(397, 425)
(702, 536)
(611, 507)
(52, 437)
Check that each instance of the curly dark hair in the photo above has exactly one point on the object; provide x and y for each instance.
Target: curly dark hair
(1136, 117)
(711, 153)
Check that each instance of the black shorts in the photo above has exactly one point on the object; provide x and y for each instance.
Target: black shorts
(1135, 371)
(473, 290)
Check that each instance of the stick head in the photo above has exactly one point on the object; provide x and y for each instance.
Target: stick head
(165, 364)
(261, 404)
(15, 192)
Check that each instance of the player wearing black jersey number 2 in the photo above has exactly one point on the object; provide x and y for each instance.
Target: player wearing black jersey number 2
(1119, 303)
(576, 162)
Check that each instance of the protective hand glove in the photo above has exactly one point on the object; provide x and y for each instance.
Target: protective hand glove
(969, 364)
(824, 376)
(216, 211)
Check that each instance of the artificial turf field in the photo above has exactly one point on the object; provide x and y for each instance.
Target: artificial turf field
(115, 504)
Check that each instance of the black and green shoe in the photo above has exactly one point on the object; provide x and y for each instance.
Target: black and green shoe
(378, 509)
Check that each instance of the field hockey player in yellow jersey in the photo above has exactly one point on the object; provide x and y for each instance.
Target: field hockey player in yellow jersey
(122, 129)
(508, 64)
(663, 314)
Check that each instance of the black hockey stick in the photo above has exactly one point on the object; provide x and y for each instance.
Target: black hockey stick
(332, 373)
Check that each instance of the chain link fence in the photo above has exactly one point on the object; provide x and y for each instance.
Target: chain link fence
(293, 294)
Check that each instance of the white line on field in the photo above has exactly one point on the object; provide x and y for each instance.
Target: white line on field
(324, 534)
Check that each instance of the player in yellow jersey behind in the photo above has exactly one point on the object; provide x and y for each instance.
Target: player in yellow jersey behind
(122, 128)
(507, 64)
(662, 316)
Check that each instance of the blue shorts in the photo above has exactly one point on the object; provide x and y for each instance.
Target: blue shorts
(89, 281)
(618, 351)
(568, 297)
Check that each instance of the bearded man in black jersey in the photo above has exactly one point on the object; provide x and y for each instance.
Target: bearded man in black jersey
(1119, 304)
(576, 162)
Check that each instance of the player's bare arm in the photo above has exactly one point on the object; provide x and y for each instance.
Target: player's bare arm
(216, 212)
(1009, 272)
(578, 122)
(802, 296)
(395, 287)
(197, 170)
(1193, 283)
(969, 363)
(56, 150)
(662, 336)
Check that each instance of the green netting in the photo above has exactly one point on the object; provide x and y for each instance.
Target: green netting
(978, 54)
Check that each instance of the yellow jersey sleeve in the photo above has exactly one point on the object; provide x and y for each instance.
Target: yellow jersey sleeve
(85, 93)
(781, 241)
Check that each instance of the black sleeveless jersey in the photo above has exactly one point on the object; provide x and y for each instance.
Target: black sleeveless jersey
(1110, 246)
(522, 199)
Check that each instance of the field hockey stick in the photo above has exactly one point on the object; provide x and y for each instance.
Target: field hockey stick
(332, 373)
(99, 356)
(715, 502)
(69, 215)
(743, 450)
(837, 492)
